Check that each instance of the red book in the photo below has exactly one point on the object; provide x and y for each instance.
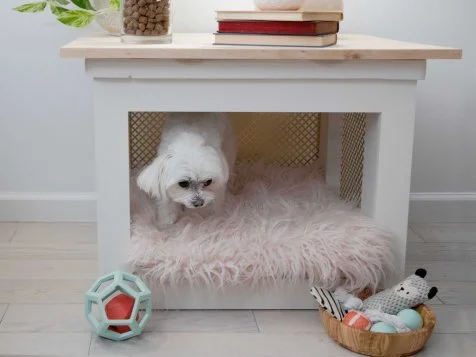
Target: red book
(301, 28)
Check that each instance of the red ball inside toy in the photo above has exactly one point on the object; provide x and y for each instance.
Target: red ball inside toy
(120, 308)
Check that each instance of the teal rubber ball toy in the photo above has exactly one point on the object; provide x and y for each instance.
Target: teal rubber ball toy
(104, 291)
(411, 318)
(383, 327)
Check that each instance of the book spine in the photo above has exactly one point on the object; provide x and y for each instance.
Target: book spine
(276, 27)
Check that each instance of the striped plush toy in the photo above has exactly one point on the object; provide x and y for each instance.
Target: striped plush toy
(329, 302)
(337, 303)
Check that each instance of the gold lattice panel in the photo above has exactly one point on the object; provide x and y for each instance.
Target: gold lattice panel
(144, 137)
(286, 139)
(352, 156)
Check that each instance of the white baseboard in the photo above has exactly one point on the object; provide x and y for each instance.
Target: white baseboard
(81, 207)
(450, 207)
(47, 207)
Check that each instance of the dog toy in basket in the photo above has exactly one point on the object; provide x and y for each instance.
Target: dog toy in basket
(329, 302)
(411, 292)
(118, 306)
(389, 306)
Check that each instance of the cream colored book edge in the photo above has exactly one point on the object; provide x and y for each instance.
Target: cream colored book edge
(279, 40)
(279, 15)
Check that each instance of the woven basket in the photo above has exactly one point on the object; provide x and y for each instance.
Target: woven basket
(380, 344)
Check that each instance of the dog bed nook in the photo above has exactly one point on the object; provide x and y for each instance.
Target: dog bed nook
(281, 225)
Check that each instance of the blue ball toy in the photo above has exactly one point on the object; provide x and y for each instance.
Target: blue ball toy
(104, 291)
(411, 318)
(383, 327)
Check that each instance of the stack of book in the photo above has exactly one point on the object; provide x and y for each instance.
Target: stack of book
(278, 28)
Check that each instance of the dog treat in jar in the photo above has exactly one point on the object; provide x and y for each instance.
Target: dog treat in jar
(146, 21)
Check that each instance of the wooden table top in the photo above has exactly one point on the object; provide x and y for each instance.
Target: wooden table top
(200, 46)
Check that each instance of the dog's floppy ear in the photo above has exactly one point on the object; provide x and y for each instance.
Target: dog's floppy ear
(152, 178)
(225, 169)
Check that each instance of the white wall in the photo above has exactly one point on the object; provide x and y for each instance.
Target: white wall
(46, 126)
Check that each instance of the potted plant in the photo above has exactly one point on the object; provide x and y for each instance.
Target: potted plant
(80, 13)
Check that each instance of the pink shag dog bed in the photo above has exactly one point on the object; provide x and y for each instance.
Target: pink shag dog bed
(282, 225)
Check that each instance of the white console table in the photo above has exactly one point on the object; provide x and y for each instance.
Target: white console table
(359, 74)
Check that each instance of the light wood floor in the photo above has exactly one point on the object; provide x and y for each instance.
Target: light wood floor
(46, 268)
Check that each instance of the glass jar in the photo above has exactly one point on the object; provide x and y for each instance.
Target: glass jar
(107, 17)
(146, 21)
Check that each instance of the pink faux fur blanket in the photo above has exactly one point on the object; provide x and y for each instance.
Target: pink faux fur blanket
(283, 224)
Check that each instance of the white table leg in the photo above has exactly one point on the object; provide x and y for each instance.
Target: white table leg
(112, 178)
(332, 148)
(387, 168)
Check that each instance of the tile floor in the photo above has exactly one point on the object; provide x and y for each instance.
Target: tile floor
(45, 269)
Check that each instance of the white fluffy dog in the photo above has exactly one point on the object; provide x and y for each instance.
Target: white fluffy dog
(195, 159)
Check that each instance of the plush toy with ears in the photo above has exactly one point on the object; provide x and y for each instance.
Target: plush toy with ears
(410, 293)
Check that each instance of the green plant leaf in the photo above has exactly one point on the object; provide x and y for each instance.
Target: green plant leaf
(83, 4)
(31, 7)
(56, 9)
(76, 18)
(115, 4)
(62, 2)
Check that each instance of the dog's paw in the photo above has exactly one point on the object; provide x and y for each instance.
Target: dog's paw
(165, 221)
(168, 221)
(163, 225)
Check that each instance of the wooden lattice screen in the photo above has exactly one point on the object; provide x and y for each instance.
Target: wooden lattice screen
(288, 139)
(352, 156)
(285, 139)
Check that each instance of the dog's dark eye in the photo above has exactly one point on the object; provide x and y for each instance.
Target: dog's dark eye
(184, 184)
(207, 183)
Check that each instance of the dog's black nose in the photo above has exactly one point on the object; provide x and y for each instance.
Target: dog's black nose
(198, 202)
